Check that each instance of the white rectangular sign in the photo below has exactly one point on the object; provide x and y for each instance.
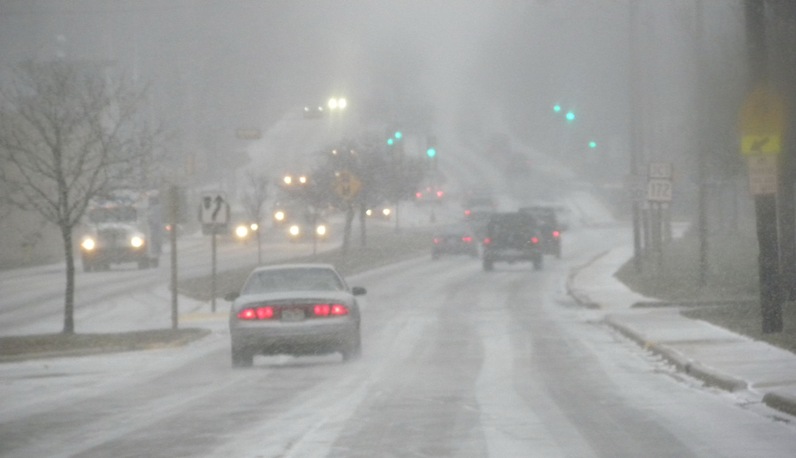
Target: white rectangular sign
(762, 174)
(660, 170)
(659, 190)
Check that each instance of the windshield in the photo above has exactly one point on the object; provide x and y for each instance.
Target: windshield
(112, 215)
(296, 279)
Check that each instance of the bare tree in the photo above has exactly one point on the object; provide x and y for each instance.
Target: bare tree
(69, 133)
(253, 199)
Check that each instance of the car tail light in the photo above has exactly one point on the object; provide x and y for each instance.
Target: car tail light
(322, 310)
(467, 239)
(436, 241)
(440, 193)
(467, 212)
(339, 310)
(534, 240)
(419, 195)
(556, 234)
(487, 241)
(257, 313)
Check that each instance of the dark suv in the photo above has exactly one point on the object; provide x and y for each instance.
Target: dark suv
(512, 237)
(549, 226)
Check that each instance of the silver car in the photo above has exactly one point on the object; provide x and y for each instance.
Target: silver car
(296, 309)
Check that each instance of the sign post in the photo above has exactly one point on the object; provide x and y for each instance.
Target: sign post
(214, 212)
(762, 122)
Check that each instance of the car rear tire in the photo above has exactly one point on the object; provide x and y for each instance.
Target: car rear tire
(354, 349)
(538, 263)
(242, 358)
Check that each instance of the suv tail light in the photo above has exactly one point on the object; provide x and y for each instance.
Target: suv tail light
(487, 241)
(556, 234)
(467, 239)
(534, 240)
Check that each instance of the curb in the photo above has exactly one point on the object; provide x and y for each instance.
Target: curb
(780, 401)
(582, 298)
(708, 375)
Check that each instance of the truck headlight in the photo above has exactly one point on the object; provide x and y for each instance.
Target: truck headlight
(137, 241)
(321, 230)
(279, 215)
(242, 231)
(88, 244)
(386, 212)
(294, 230)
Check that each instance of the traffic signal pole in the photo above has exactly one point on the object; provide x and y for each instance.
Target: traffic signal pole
(635, 130)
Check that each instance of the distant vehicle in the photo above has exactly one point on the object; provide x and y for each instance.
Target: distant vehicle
(380, 211)
(512, 237)
(478, 208)
(302, 230)
(294, 309)
(454, 240)
(429, 194)
(244, 231)
(549, 226)
(124, 227)
(313, 112)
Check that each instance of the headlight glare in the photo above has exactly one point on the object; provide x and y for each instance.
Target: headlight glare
(88, 244)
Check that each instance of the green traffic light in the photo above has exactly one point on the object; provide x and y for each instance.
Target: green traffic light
(592, 144)
(431, 152)
(390, 141)
(557, 108)
(398, 135)
(570, 116)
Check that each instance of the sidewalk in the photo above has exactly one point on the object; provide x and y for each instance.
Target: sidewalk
(715, 355)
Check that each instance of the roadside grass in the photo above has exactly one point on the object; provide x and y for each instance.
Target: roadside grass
(46, 345)
(730, 297)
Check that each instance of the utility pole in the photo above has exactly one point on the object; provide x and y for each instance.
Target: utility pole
(702, 150)
(635, 130)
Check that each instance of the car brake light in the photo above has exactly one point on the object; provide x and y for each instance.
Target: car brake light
(467, 213)
(330, 310)
(265, 313)
(339, 310)
(440, 193)
(419, 195)
(467, 239)
(487, 241)
(556, 234)
(259, 313)
(436, 241)
(534, 240)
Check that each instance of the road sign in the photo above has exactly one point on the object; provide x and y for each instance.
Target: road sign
(214, 209)
(662, 170)
(762, 174)
(659, 190)
(762, 122)
(347, 185)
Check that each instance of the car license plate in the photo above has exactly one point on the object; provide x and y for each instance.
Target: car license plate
(292, 315)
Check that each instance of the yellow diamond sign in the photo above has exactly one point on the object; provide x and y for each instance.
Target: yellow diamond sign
(762, 122)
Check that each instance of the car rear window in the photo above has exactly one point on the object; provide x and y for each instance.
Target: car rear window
(293, 279)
